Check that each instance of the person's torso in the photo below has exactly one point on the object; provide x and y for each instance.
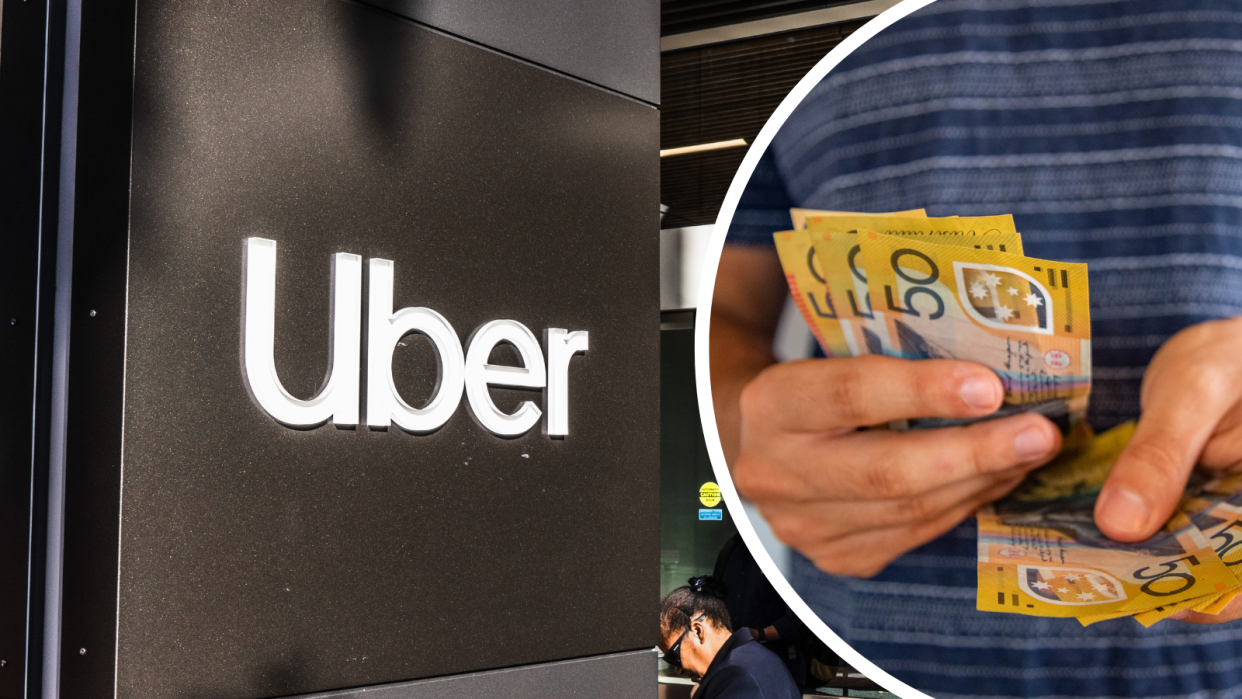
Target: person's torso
(1113, 133)
(745, 657)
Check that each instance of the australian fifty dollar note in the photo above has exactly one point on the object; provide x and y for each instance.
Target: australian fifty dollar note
(852, 328)
(1040, 553)
(1026, 319)
(836, 244)
(1214, 506)
(805, 277)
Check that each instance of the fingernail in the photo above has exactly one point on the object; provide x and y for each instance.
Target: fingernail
(1032, 443)
(1125, 512)
(978, 392)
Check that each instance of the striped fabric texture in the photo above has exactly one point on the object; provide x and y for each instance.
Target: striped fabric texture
(1113, 132)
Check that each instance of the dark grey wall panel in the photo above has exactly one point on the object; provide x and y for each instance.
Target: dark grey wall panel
(618, 676)
(614, 44)
(257, 560)
(96, 361)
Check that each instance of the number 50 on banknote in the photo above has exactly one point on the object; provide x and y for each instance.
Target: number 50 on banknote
(1027, 319)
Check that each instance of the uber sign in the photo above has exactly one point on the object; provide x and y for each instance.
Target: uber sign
(340, 398)
(268, 492)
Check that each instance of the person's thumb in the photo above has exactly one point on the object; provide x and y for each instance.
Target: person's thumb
(1151, 472)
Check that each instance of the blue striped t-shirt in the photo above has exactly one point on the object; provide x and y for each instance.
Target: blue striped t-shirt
(1113, 132)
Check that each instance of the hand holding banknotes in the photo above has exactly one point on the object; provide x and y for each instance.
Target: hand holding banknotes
(1192, 414)
(934, 323)
(853, 500)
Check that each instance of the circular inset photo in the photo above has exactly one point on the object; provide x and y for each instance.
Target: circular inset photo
(966, 349)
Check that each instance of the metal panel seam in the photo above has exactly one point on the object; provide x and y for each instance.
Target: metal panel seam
(120, 488)
(34, 398)
(499, 52)
(775, 25)
(120, 516)
(477, 674)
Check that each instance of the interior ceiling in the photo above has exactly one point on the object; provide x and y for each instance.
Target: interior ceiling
(681, 16)
(722, 92)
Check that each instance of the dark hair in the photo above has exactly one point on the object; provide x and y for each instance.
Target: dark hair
(703, 596)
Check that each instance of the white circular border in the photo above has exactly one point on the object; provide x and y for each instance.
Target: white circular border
(702, 366)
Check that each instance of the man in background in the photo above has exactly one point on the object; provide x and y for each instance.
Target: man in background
(755, 605)
(697, 639)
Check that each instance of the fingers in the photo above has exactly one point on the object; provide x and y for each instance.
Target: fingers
(1231, 612)
(765, 477)
(853, 503)
(1181, 410)
(1224, 449)
(867, 553)
(831, 394)
(821, 519)
(881, 465)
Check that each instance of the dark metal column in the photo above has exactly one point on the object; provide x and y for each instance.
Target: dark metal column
(210, 550)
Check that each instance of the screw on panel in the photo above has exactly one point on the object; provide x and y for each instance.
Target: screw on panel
(3, 663)
(81, 651)
(92, 314)
(12, 321)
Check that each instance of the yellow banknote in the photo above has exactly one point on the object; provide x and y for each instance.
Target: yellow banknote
(1152, 616)
(1041, 554)
(837, 246)
(1210, 604)
(1221, 602)
(800, 216)
(1210, 489)
(1027, 319)
(806, 286)
(806, 282)
(1216, 510)
(909, 224)
(1220, 521)
(1079, 471)
(1056, 563)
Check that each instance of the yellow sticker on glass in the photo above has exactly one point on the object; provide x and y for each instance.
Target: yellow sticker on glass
(709, 494)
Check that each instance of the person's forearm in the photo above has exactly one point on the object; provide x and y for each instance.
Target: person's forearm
(738, 354)
(768, 633)
(746, 306)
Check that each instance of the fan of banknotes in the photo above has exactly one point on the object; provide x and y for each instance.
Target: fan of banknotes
(906, 285)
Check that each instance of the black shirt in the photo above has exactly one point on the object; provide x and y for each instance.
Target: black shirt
(743, 669)
(754, 603)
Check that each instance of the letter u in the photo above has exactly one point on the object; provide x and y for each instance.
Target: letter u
(338, 400)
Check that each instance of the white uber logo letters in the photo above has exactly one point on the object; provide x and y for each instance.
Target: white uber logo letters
(339, 398)
(384, 330)
(480, 374)
(460, 370)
